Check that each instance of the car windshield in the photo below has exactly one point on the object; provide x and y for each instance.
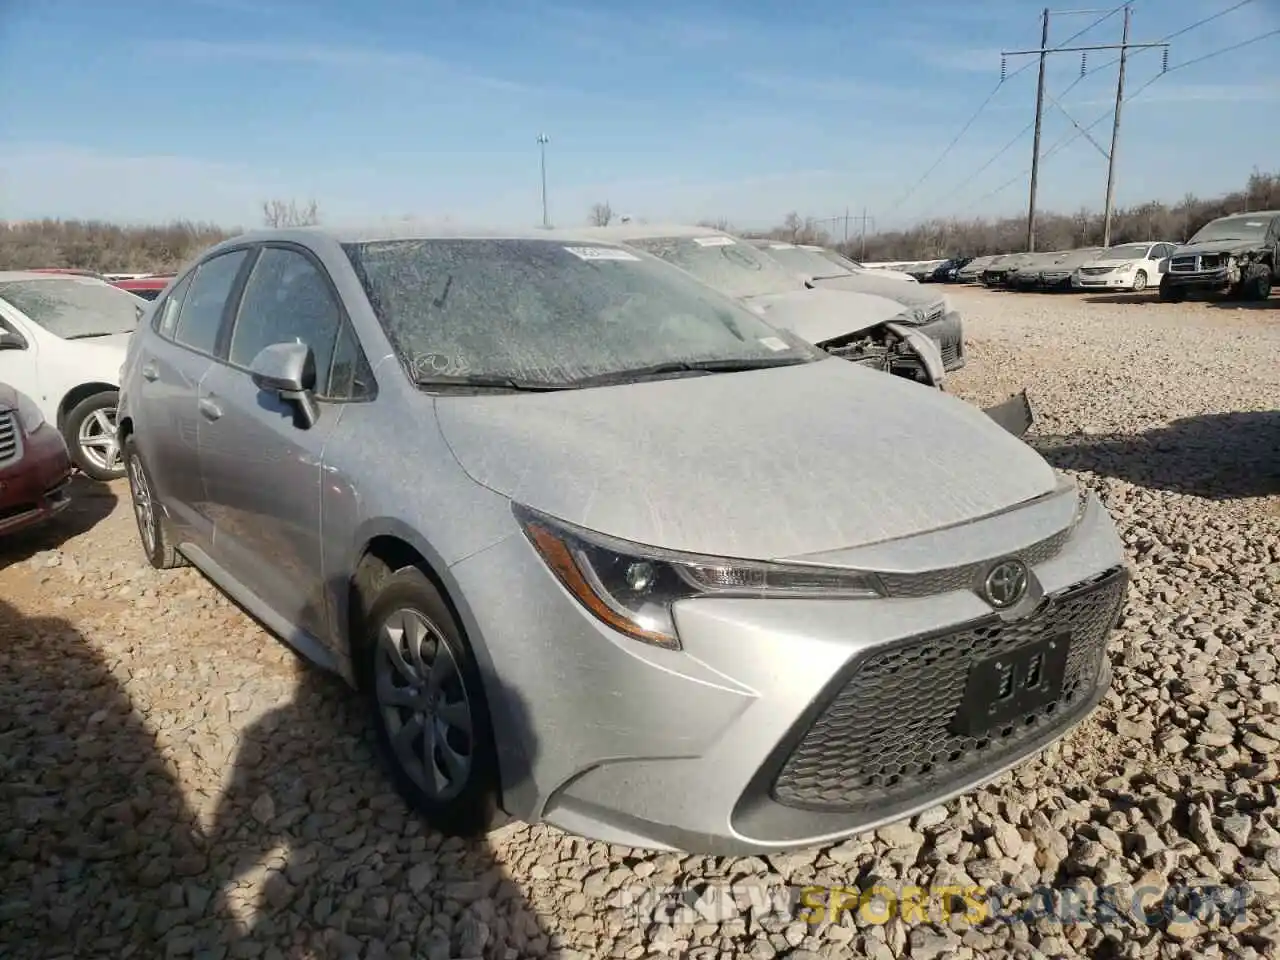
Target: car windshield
(1232, 228)
(1132, 251)
(734, 268)
(75, 308)
(809, 262)
(553, 313)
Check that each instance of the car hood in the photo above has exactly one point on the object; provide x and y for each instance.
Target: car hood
(764, 464)
(1218, 246)
(910, 294)
(821, 315)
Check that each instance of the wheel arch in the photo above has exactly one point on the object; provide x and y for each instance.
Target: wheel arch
(398, 545)
(78, 394)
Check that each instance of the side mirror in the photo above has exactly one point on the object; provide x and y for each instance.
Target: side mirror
(288, 370)
(11, 341)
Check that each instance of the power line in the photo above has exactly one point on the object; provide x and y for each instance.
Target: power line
(1066, 142)
(946, 151)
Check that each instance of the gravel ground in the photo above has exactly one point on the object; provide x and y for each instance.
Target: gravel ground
(175, 783)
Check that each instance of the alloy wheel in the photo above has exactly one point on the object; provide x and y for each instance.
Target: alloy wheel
(97, 439)
(143, 505)
(424, 704)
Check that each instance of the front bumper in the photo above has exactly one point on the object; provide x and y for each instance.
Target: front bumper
(785, 723)
(1219, 279)
(33, 488)
(1103, 281)
(948, 333)
(1055, 279)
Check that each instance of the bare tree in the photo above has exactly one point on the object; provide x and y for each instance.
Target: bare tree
(287, 213)
(601, 214)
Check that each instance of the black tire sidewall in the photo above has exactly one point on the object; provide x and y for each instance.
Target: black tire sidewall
(105, 399)
(474, 809)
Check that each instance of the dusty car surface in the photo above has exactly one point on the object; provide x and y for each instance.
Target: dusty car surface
(1057, 273)
(935, 318)
(35, 470)
(868, 328)
(998, 270)
(1126, 266)
(510, 487)
(1235, 255)
(972, 270)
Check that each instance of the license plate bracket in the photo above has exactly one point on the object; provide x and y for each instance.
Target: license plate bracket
(1013, 685)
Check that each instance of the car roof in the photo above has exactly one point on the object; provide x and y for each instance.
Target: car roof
(1249, 216)
(424, 230)
(625, 232)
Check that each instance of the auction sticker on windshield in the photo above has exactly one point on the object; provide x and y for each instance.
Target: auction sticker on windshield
(782, 246)
(773, 343)
(713, 241)
(601, 253)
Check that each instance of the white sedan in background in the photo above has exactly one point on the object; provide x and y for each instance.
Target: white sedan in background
(1129, 266)
(62, 341)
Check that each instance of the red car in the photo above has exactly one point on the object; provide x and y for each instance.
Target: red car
(148, 288)
(34, 466)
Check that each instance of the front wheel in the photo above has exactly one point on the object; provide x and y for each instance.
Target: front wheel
(1140, 281)
(1172, 294)
(430, 714)
(1257, 285)
(90, 433)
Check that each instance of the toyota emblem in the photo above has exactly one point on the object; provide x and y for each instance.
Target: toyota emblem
(1006, 583)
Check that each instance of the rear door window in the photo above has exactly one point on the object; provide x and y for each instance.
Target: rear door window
(201, 315)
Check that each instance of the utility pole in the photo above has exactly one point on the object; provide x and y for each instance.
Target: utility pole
(846, 225)
(1042, 52)
(543, 140)
(864, 218)
(1035, 147)
(1115, 135)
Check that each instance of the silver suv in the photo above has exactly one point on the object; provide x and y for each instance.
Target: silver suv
(601, 547)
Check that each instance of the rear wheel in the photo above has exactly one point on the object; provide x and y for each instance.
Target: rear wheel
(161, 553)
(90, 433)
(1140, 281)
(428, 704)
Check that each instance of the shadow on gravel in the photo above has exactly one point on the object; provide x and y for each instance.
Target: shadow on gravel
(304, 850)
(1223, 456)
(1209, 300)
(1123, 299)
(91, 502)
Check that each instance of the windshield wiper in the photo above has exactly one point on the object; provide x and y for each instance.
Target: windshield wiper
(684, 366)
(89, 336)
(487, 382)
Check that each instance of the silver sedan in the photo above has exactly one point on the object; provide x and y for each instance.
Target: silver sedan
(602, 548)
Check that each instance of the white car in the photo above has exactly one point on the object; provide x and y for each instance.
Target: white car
(1129, 266)
(62, 343)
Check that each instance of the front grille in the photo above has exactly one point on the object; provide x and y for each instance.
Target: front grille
(968, 576)
(887, 735)
(950, 354)
(935, 313)
(1184, 264)
(10, 439)
(1094, 271)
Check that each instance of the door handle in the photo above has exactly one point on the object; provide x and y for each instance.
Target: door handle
(150, 373)
(209, 410)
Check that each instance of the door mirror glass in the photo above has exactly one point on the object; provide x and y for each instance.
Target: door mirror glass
(11, 341)
(289, 370)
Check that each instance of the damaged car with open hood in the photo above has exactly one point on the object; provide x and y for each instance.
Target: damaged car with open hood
(1236, 255)
(602, 548)
(933, 313)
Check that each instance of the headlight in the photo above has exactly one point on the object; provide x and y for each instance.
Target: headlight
(1126, 266)
(632, 588)
(29, 414)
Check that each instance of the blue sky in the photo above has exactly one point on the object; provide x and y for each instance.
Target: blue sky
(145, 110)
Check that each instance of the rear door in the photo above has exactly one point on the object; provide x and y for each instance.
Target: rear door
(171, 364)
(263, 469)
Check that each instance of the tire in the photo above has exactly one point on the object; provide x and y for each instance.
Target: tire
(89, 430)
(1140, 281)
(404, 608)
(1257, 286)
(1172, 294)
(161, 553)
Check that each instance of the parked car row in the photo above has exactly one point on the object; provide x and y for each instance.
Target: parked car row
(598, 520)
(1235, 255)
